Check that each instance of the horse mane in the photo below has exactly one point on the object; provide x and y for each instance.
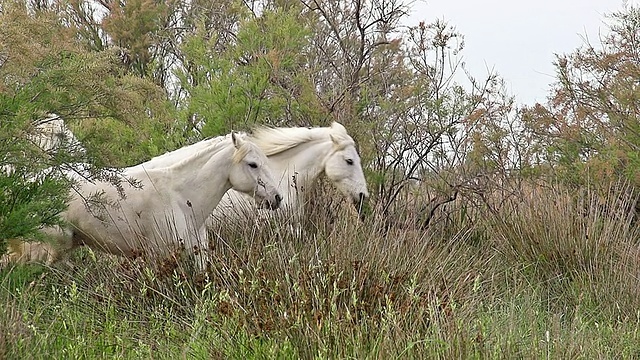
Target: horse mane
(210, 146)
(213, 146)
(277, 140)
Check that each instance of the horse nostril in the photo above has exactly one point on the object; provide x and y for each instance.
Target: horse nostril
(278, 198)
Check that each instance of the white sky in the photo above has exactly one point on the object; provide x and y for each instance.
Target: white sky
(518, 38)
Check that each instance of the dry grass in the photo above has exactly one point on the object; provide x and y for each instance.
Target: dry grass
(552, 275)
(586, 241)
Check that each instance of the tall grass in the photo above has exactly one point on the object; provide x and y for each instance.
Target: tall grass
(552, 275)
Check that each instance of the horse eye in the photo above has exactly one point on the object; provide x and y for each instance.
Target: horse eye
(349, 161)
(253, 165)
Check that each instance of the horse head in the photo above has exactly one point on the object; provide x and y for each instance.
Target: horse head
(343, 167)
(251, 175)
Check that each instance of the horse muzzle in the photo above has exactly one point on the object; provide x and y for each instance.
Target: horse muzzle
(271, 204)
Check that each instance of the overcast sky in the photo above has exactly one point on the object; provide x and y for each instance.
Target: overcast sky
(518, 38)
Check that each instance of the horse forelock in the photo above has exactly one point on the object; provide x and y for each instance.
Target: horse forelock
(240, 153)
(277, 140)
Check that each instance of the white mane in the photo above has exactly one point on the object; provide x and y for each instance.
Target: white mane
(276, 140)
(213, 147)
(174, 156)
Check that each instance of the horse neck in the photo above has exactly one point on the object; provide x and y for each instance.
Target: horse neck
(306, 162)
(203, 177)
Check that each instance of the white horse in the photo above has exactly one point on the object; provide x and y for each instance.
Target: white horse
(298, 157)
(168, 205)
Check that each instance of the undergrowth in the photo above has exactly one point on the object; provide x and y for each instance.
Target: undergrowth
(552, 275)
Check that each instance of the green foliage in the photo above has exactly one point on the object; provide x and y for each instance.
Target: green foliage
(258, 79)
(45, 71)
(133, 25)
(29, 198)
(32, 192)
(26, 203)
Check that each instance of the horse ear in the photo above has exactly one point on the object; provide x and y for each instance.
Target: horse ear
(334, 140)
(338, 127)
(237, 140)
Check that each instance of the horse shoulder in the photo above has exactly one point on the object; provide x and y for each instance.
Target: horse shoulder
(157, 196)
